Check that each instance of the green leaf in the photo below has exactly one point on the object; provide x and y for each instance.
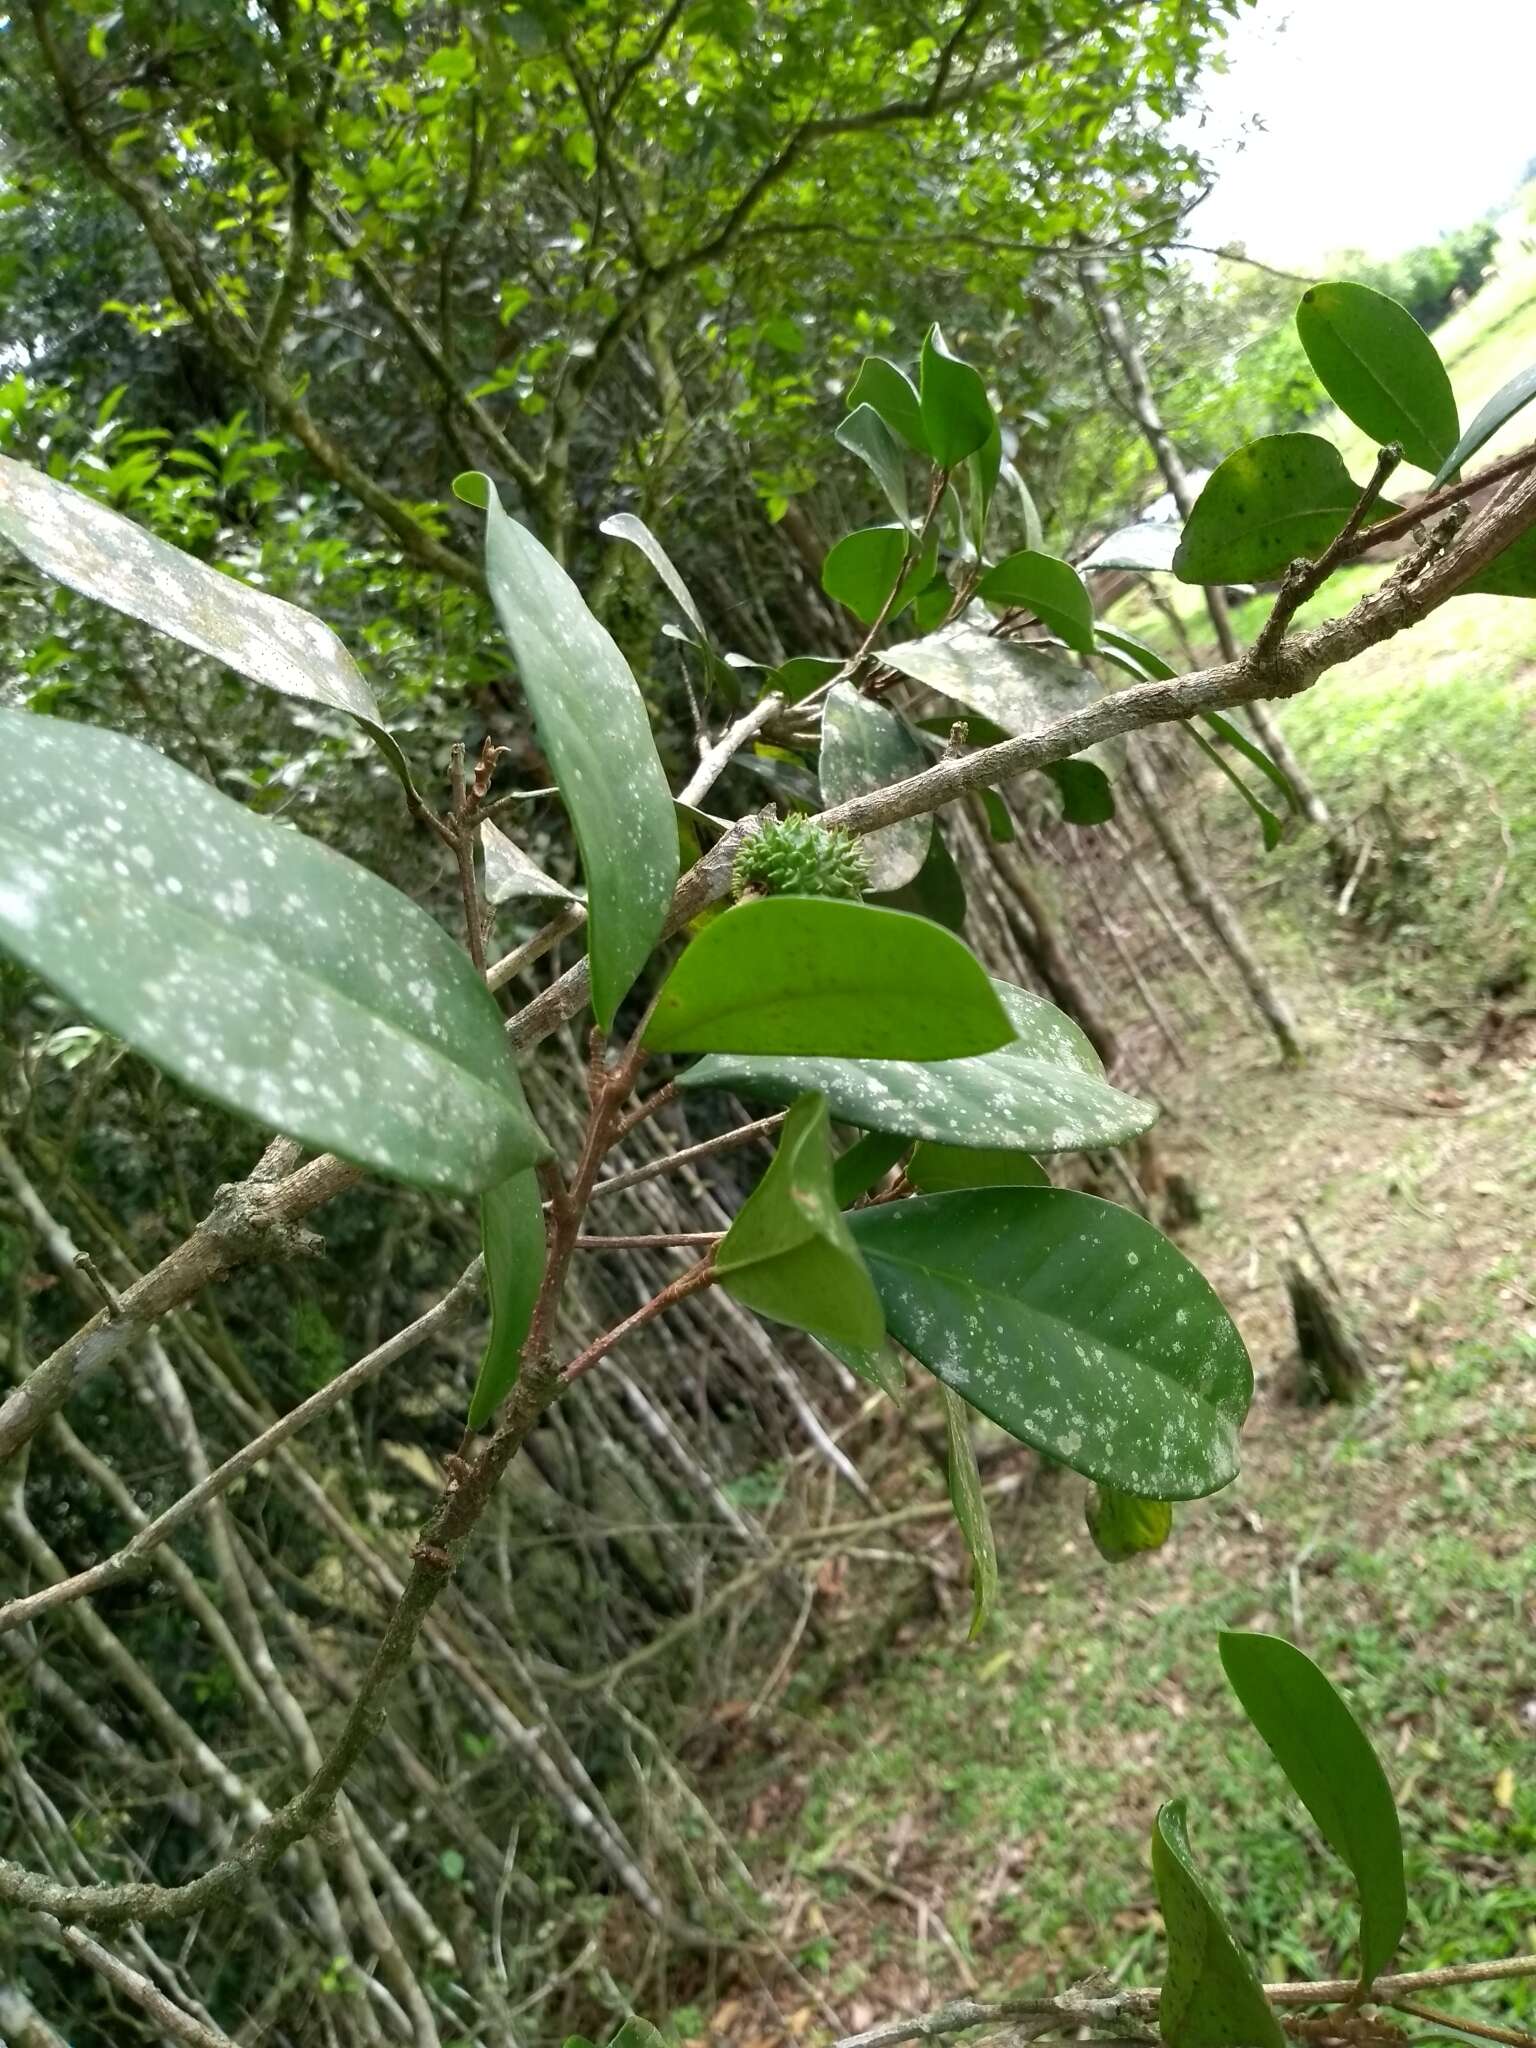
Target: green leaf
(512, 1242)
(1146, 548)
(257, 966)
(510, 874)
(981, 472)
(810, 975)
(1335, 1773)
(1023, 689)
(593, 727)
(1073, 1324)
(104, 556)
(936, 891)
(1270, 828)
(1029, 516)
(1044, 1092)
(1235, 737)
(930, 606)
(938, 1169)
(863, 747)
(1124, 1525)
(625, 526)
(1211, 1996)
(1281, 497)
(788, 1254)
(863, 569)
(1380, 369)
(970, 1505)
(999, 821)
(1084, 789)
(956, 411)
(801, 674)
(889, 392)
(1509, 399)
(867, 1160)
(879, 1367)
(1134, 655)
(637, 2033)
(451, 1864)
(1048, 587)
(866, 435)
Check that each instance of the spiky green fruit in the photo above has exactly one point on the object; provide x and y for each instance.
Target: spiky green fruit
(795, 856)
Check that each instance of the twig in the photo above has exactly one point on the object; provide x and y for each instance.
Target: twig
(1073, 2009)
(741, 1135)
(134, 1554)
(700, 1276)
(718, 757)
(659, 1240)
(1303, 578)
(565, 920)
(1513, 2037)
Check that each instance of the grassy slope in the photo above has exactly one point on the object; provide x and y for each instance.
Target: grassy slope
(1011, 1784)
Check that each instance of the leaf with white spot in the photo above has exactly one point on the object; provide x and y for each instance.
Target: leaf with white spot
(256, 965)
(510, 874)
(863, 747)
(85, 544)
(593, 727)
(1024, 689)
(1042, 1092)
(1073, 1324)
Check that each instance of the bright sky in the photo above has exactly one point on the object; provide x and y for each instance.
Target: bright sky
(1384, 122)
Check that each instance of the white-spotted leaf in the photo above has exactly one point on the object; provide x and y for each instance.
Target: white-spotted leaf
(256, 965)
(1073, 1324)
(864, 746)
(593, 726)
(1042, 1092)
(1023, 689)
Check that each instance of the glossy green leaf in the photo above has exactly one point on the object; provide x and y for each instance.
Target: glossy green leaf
(956, 411)
(1043, 1092)
(104, 556)
(1211, 1996)
(866, 435)
(593, 727)
(1124, 1525)
(809, 975)
(999, 820)
(931, 605)
(936, 891)
(1251, 751)
(1048, 587)
(1509, 399)
(625, 526)
(939, 1169)
(801, 674)
(509, 872)
(864, 568)
(868, 1160)
(879, 1367)
(970, 1506)
(1020, 688)
(892, 394)
(638, 2033)
(1086, 795)
(1380, 369)
(1029, 516)
(1146, 548)
(513, 1246)
(788, 1254)
(1270, 828)
(1335, 1773)
(864, 746)
(1073, 1324)
(257, 966)
(1279, 498)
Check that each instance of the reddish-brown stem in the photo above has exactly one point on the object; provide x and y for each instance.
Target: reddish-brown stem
(692, 1282)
